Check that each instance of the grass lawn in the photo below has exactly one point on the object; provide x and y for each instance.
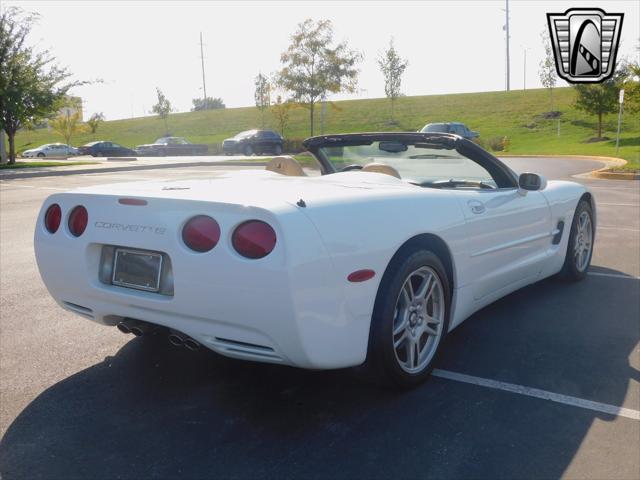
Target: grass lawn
(20, 164)
(516, 115)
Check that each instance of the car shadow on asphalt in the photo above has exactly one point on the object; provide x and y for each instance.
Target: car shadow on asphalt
(156, 411)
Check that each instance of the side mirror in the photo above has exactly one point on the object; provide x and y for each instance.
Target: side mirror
(532, 182)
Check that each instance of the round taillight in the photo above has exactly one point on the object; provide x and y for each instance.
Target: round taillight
(78, 220)
(52, 218)
(201, 233)
(254, 239)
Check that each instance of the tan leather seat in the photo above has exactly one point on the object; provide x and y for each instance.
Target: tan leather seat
(381, 168)
(286, 165)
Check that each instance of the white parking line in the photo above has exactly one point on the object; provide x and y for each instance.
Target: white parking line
(537, 393)
(614, 275)
(619, 204)
(607, 227)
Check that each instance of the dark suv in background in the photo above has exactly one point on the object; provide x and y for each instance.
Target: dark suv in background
(254, 141)
(451, 127)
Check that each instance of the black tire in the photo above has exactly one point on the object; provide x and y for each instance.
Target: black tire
(277, 150)
(570, 270)
(247, 150)
(41, 155)
(383, 365)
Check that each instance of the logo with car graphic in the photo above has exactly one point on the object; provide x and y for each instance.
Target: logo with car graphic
(585, 43)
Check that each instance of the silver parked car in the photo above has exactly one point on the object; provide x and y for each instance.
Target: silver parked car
(51, 150)
(456, 128)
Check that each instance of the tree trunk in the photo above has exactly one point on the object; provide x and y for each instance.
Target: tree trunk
(166, 126)
(600, 125)
(311, 107)
(392, 102)
(262, 112)
(12, 147)
(551, 98)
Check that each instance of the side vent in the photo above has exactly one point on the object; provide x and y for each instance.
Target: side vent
(79, 309)
(247, 349)
(558, 233)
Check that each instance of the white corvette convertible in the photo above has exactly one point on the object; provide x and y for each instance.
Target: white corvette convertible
(367, 252)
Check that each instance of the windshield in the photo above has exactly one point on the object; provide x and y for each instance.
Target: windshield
(248, 133)
(425, 164)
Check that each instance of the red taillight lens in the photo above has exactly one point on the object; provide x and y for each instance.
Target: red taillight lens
(201, 233)
(78, 220)
(254, 239)
(52, 218)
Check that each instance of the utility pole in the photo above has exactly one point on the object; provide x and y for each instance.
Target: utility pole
(506, 27)
(524, 76)
(204, 85)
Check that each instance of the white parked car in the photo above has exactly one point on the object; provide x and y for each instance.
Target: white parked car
(51, 150)
(368, 252)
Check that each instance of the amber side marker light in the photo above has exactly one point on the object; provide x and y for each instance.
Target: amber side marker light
(361, 275)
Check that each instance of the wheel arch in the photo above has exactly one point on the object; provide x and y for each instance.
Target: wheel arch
(434, 243)
(587, 196)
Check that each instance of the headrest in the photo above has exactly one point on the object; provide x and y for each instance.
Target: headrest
(381, 168)
(286, 165)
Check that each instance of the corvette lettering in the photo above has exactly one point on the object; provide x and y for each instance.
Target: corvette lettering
(130, 228)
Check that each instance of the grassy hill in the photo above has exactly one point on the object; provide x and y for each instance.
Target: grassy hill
(516, 115)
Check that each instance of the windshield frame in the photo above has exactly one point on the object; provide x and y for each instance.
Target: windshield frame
(503, 175)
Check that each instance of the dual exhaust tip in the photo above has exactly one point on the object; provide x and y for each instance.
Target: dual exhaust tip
(139, 328)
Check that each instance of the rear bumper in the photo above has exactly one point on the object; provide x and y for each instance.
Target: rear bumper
(286, 308)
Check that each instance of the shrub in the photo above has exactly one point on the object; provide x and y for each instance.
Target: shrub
(495, 144)
(506, 143)
(293, 145)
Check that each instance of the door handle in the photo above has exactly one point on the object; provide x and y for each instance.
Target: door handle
(476, 206)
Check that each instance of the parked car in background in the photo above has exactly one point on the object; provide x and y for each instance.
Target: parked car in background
(51, 150)
(105, 149)
(171, 146)
(254, 141)
(456, 128)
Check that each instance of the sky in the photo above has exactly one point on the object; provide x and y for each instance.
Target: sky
(136, 46)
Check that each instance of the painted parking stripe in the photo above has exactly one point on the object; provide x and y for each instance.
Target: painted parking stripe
(619, 204)
(607, 227)
(614, 275)
(537, 393)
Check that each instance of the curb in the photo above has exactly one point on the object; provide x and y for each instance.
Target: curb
(59, 172)
(606, 174)
(603, 173)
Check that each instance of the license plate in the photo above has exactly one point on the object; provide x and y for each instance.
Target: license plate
(137, 269)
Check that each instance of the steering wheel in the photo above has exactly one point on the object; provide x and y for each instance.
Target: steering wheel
(353, 166)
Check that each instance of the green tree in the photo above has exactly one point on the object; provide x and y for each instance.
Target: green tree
(312, 67)
(262, 94)
(32, 85)
(547, 71)
(67, 126)
(392, 67)
(162, 108)
(600, 98)
(207, 104)
(281, 110)
(95, 121)
(631, 87)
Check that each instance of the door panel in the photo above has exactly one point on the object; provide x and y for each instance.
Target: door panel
(509, 233)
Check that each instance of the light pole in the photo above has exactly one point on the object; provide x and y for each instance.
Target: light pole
(506, 28)
(524, 73)
(204, 85)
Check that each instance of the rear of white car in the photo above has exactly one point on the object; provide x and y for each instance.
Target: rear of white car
(97, 253)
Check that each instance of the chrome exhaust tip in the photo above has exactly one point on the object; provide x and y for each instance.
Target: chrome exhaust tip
(137, 331)
(124, 328)
(191, 344)
(175, 339)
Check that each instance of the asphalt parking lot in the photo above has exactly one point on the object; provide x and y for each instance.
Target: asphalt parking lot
(78, 400)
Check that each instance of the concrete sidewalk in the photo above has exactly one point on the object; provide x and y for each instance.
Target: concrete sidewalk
(104, 165)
